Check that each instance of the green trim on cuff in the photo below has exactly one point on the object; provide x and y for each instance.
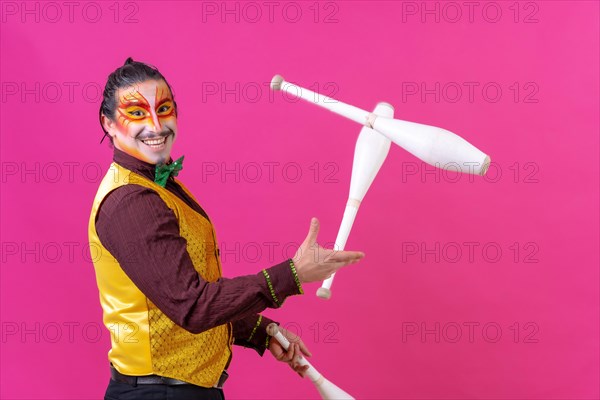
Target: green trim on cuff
(293, 267)
(267, 342)
(266, 274)
(255, 328)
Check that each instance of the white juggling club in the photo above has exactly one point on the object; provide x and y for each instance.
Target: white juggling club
(369, 154)
(327, 390)
(433, 145)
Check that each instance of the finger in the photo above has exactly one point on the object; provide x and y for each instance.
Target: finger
(291, 337)
(345, 256)
(296, 369)
(279, 355)
(304, 349)
(302, 370)
(313, 232)
(296, 352)
(333, 267)
(289, 355)
(295, 363)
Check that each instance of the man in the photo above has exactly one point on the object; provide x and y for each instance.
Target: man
(173, 318)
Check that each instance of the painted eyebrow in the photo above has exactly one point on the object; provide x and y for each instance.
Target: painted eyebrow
(163, 102)
(134, 103)
(134, 98)
(138, 100)
(143, 105)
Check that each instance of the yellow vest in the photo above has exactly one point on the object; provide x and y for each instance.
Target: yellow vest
(144, 340)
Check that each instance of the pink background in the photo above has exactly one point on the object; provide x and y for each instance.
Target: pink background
(533, 308)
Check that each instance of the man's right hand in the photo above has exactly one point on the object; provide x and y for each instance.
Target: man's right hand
(314, 263)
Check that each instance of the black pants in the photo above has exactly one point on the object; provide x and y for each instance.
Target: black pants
(123, 391)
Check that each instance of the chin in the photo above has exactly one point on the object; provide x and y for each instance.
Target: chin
(159, 158)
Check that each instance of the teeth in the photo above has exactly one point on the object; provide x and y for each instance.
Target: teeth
(155, 142)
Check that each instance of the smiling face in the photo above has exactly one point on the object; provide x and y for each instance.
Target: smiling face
(145, 122)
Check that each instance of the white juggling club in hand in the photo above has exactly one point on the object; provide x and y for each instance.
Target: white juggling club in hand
(327, 390)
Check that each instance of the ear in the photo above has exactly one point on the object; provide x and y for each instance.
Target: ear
(109, 125)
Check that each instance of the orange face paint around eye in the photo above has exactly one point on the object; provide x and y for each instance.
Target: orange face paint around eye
(135, 108)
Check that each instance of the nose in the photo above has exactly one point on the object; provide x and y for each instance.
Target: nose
(156, 122)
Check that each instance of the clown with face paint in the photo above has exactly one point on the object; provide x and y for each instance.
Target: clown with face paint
(146, 122)
(173, 318)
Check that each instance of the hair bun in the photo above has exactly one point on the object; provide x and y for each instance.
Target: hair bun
(128, 61)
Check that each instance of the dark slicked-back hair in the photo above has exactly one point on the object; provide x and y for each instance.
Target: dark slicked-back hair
(130, 73)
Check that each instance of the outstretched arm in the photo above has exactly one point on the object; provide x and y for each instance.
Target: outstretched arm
(142, 233)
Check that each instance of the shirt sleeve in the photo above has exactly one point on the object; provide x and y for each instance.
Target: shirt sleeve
(142, 233)
(251, 332)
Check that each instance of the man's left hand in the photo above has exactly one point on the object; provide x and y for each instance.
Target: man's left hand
(296, 350)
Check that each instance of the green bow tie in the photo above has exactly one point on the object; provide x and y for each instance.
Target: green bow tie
(163, 171)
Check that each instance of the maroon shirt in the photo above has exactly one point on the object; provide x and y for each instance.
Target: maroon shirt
(135, 225)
